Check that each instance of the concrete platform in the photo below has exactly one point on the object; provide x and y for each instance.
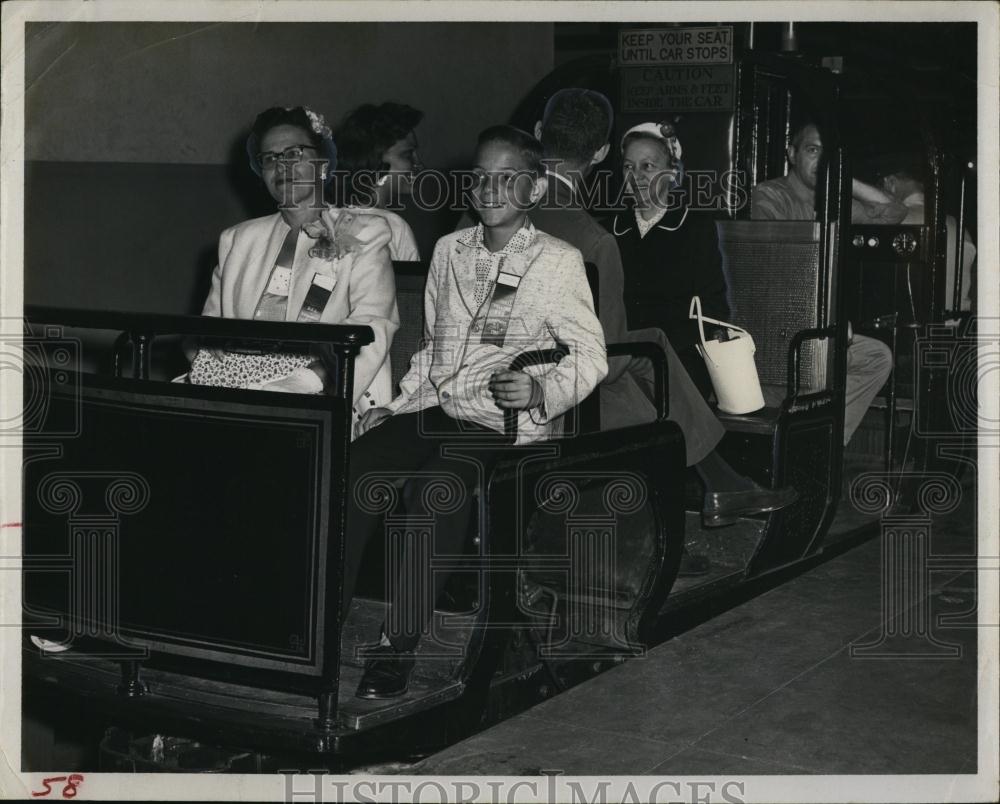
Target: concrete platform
(770, 687)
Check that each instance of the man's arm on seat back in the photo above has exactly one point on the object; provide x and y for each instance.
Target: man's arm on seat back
(871, 205)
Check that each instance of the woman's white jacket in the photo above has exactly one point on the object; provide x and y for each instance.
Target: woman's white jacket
(364, 289)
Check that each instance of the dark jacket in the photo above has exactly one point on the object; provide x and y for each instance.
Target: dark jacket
(677, 259)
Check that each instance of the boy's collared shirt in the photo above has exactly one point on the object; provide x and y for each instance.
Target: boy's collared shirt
(488, 262)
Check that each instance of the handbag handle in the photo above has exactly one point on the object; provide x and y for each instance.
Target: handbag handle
(694, 311)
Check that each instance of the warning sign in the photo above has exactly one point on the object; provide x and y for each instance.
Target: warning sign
(680, 88)
(711, 45)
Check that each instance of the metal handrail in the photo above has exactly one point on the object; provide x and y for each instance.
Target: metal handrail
(348, 336)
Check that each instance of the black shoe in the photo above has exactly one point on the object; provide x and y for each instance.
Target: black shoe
(693, 565)
(387, 673)
(725, 507)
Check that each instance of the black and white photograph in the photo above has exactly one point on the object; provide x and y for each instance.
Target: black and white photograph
(499, 402)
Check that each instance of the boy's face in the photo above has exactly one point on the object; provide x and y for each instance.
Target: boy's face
(505, 190)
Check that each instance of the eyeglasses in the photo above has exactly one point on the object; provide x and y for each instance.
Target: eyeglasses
(291, 155)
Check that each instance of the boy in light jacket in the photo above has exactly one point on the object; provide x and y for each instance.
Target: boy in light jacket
(493, 291)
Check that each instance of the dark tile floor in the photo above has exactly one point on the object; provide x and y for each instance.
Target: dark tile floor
(770, 687)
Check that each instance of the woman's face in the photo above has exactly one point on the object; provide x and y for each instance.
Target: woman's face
(291, 166)
(403, 162)
(649, 172)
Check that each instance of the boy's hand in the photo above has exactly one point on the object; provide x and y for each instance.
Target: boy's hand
(515, 389)
(372, 418)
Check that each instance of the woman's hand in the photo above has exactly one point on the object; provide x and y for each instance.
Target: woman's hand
(515, 389)
(372, 418)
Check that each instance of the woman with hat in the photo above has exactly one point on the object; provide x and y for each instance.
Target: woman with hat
(670, 252)
(307, 262)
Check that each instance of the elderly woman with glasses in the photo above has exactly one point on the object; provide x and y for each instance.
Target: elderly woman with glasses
(307, 262)
(669, 248)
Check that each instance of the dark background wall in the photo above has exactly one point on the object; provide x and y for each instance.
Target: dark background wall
(135, 131)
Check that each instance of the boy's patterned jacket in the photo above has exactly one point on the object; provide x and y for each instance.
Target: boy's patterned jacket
(553, 305)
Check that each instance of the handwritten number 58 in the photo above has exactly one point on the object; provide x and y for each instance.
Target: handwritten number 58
(73, 781)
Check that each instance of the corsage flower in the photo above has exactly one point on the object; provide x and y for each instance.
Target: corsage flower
(318, 124)
(332, 244)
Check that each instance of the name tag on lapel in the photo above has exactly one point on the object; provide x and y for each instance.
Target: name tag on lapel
(316, 298)
(508, 280)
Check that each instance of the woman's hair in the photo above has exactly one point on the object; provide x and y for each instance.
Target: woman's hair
(313, 127)
(369, 131)
(528, 148)
(635, 136)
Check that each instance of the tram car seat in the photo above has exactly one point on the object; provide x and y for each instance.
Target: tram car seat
(793, 439)
(578, 541)
(629, 584)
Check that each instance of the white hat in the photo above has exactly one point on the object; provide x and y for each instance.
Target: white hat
(662, 131)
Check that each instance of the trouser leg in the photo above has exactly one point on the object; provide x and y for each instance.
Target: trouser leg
(435, 516)
(440, 518)
(869, 363)
(694, 364)
(702, 430)
(391, 449)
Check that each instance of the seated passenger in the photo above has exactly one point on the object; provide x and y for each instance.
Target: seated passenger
(307, 262)
(792, 197)
(902, 178)
(574, 131)
(493, 291)
(669, 251)
(377, 149)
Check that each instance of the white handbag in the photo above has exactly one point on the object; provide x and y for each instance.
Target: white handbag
(730, 364)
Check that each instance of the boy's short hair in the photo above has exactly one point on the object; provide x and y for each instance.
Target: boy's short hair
(528, 148)
(576, 124)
